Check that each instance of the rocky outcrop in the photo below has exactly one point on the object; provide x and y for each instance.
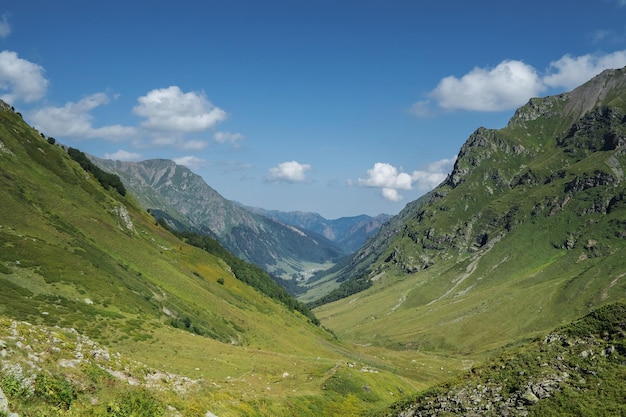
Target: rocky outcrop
(4, 406)
(573, 358)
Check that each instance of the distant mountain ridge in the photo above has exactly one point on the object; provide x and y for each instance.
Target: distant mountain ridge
(187, 202)
(348, 232)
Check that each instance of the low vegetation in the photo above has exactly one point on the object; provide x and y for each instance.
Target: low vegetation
(104, 312)
(248, 273)
(578, 369)
(107, 180)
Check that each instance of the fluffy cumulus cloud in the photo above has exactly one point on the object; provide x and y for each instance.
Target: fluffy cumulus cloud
(433, 175)
(289, 172)
(75, 120)
(512, 83)
(20, 80)
(172, 110)
(570, 72)
(390, 179)
(391, 194)
(122, 155)
(5, 27)
(385, 175)
(507, 85)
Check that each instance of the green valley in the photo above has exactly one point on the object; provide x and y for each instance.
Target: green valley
(500, 292)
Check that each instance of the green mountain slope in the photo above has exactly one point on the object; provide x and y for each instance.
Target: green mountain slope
(103, 312)
(526, 233)
(576, 370)
(183, 198)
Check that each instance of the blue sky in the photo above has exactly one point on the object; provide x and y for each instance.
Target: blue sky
(336, 107)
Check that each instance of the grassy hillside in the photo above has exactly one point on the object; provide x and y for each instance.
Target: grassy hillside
(576, 370)
(186, 202)
(526, 233)
(103, 312)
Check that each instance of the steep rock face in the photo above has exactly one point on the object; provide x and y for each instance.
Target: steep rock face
(185, 200)
(495, 166)
(162, 184)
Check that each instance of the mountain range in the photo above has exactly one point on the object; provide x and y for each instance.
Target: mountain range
(500, 292)
(287, 245)
(349, 233)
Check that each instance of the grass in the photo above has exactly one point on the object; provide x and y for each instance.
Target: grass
(577, 369)
(505, 265)
(529, 238)
(70, 259)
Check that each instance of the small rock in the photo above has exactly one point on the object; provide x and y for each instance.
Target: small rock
(529, 397)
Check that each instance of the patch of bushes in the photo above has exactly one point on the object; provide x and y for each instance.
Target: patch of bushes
(55, 390)
(137, 402)
(106, 179)
(13, 387)
(346, 289)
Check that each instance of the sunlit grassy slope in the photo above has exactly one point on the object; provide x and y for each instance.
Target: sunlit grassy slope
(84, 270)
(103, 312)
(527, 233)
(575, 370)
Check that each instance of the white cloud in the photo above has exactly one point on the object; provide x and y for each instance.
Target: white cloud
(289, 171)
(227, 137)
(191, 162)
(122, 155)
(74, 120)
(509, 84)
(385, 175)
(433, 175)
(22, 79)
(391, 194)
(570, 72)
(5, 27)
(389, 179)
(512, 83)
(171, 110)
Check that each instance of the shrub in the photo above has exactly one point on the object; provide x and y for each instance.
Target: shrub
(137, 403)
(14, 388)
(106, 179)
(55, 390)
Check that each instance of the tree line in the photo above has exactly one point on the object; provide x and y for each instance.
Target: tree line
(106, 179)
